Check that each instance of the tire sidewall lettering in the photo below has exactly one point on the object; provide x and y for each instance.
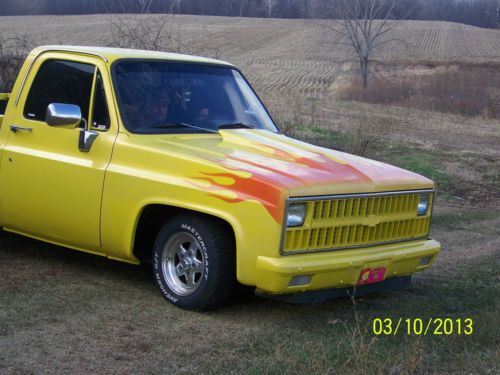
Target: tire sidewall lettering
(159, 279)
(198, 236)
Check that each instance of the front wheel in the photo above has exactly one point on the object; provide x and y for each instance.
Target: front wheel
(193, 262)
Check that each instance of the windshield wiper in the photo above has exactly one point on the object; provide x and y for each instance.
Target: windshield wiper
(237, 125)
(183, 124)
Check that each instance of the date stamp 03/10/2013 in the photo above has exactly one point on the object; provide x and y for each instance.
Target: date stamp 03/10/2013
(423, 327)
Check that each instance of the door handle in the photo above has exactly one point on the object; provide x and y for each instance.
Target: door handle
(15, 129)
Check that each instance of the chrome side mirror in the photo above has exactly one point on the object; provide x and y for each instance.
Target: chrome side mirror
(70, 115)
(59, 114)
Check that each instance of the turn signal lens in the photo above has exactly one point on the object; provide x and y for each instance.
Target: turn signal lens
(300, 280)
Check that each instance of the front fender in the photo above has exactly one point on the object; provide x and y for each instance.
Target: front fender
(125, 196)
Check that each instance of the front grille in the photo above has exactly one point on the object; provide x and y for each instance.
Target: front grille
(357, 221)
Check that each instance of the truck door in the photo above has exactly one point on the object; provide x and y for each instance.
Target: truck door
(49, 188)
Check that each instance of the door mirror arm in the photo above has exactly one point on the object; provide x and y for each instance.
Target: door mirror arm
(86, 137)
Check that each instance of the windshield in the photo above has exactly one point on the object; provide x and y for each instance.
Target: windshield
(168, 97)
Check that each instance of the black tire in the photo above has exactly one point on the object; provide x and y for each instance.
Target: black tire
(184, 240)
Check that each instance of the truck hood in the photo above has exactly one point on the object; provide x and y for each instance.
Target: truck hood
(258, 164)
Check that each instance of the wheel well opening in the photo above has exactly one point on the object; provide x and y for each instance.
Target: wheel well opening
(152, 218)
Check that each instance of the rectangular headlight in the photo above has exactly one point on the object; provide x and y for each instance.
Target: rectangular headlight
(296, 215)
(423, 204)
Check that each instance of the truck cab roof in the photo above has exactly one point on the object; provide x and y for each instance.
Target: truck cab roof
(110, 55)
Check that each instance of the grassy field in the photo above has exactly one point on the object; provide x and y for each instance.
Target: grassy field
(67, 312)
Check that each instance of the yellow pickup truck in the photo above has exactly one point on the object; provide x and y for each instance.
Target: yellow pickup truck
(173, 159)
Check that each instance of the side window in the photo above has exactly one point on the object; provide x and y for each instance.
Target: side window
(60, 81)
(3, 106)
(100, 116)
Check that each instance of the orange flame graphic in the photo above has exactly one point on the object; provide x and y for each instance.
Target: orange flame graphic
(250, 188)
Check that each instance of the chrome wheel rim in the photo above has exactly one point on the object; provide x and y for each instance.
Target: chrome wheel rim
(183, 263)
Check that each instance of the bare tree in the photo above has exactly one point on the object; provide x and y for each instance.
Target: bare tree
(497, 15)
(146, 31)
(311, 5)
(13, 51)
(178, 6)
(243, 4)
(364, 26)
(145, 5)
(160, 32)
(270, 4)
(157, 32)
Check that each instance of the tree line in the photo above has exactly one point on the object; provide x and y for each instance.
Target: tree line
(483, 13)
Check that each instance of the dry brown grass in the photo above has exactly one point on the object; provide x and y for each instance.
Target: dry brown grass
(466, 90)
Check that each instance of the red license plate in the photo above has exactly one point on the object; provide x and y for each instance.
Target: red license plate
(371, 275)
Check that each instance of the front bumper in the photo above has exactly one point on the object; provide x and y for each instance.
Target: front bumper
(323, 295)
(342, 268)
